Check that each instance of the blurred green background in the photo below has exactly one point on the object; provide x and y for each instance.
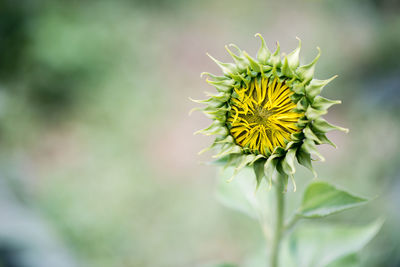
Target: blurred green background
(98, 163)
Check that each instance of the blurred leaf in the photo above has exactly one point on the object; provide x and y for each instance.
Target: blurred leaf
(240, 194)
(322, 199)
(236, 194)
(351, 260)
(223, 264)
(226, 265)
(326, 245)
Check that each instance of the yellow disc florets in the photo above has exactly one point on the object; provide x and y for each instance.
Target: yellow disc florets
(262, 117)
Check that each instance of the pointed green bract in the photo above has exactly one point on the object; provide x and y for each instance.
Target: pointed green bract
(306, 72)
(294, 57)
(263, 54)
(245, 70)
(259, 171)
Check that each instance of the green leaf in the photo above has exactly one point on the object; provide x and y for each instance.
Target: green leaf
(220, 264)
(224, 265)
(240, 193)
(322, 199)
(325, 245)
(351, 260)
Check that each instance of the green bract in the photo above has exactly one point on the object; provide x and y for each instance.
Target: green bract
(272, 68)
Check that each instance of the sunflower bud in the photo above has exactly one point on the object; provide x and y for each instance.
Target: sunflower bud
(267, 112)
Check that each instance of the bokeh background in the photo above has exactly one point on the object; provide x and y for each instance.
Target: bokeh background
(98, 163)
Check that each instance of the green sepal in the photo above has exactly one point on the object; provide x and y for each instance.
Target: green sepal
(313, 113)
(275, 72)
(241, 63)
(298, 88)
(279, 151)
(306, 72)
(297, 136)
(309, 134)
(258, 168)
(224, 86)
(263, 53)
(220, 161)
(238, 78)
(214, 128)
(216, 112)
(309, 147)
(286, 70)
(232, 160)
(217, 141)
(226, 140)
(213, 100)
(302, 104)
(227, 68)
(246, 159)
(293, 57)
(259, 156)
(323, 138)
(324, 103)
(253, 63)
(321, 125)
(288, 162)
(276, 57)
(280, 174)
(270, 167)
(296, 97)
(315, 87)
(266, 69)
(206, 149)
(229, 150)
(290, 145)
(304, 159)
(212, 76)
(301, 123)
(221, 97)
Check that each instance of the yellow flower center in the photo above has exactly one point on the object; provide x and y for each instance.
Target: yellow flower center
(262, 116)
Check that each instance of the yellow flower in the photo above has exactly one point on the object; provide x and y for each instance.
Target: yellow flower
(267, 112)
(262, 115)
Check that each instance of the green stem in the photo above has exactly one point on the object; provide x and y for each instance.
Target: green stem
(280, 210)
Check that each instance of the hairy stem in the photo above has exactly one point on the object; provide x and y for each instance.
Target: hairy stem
(280, 210)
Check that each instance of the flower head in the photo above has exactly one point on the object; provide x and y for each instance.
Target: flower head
(267, 112)
(262, 115)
